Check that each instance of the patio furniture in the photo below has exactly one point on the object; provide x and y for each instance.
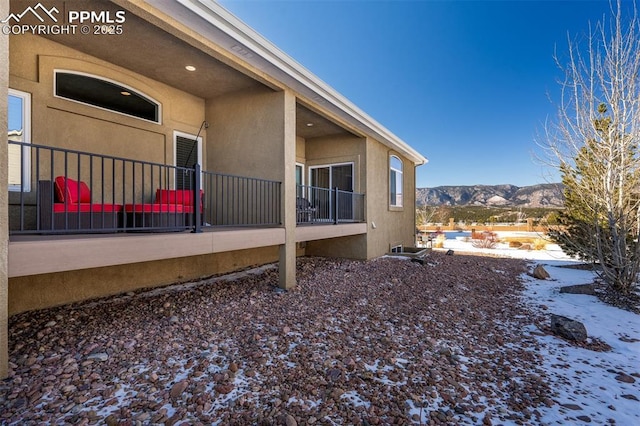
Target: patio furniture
(304, 210)
(153, 215)
(183, 198)
(66, 204)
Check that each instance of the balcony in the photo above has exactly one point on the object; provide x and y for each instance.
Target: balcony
(315, 205)
(60, 191)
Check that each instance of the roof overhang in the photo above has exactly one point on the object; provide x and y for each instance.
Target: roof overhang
(212, 21)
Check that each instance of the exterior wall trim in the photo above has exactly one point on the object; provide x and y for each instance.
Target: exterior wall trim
(66, 254)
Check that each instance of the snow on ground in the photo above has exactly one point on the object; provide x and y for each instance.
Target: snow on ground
(590, 386)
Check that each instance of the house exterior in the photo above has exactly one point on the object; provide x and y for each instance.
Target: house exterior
(114, 113)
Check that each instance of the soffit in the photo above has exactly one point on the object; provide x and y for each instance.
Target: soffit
(155, 53)
(211, 21)
(310, 124)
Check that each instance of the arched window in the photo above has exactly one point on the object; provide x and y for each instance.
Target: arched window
(395, 181)
(105, 94)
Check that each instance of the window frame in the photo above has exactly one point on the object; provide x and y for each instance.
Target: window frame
(302, 177)
(330, 166)
(110, 81)
(393, 184)
(176, 135)
(25, 179)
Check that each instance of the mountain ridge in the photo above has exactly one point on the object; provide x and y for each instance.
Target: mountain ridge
(505, 195)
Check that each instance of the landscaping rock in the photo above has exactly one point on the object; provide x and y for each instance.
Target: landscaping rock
(579, 289)
(351, 333)
(625, 378)
(540, 273)
(568, 328)
(178, 389)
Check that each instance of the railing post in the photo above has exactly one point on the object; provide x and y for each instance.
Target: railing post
(196, 199)
(335, 205)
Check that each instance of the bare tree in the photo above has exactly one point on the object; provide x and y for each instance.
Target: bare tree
(594, 143)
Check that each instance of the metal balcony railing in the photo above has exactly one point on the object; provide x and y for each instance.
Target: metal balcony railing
(55, 190)
(240, 201)
(324, 205)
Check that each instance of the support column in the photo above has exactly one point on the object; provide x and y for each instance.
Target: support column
(4, 199)
(287, 263)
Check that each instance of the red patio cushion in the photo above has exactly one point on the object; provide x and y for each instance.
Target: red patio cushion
(71, 191)
(177, 196)
(153, 208)
(86, 207)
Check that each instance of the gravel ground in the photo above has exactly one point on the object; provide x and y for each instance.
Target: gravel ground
(386, 341)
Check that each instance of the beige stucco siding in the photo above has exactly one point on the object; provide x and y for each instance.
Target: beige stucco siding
(247, 134)
(63, 123)
(4, 226)
(336, 150)
(392, 225)
(41, 291)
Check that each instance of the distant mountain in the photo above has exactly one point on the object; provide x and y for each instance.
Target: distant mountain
(542, 195)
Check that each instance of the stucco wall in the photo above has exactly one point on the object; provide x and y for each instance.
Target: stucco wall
(63, 123)
(338, 149)
(393, 226)
(4, 226)
(247, 133)
(40, 291)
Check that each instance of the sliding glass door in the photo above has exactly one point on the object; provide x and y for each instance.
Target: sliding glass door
(323, 179)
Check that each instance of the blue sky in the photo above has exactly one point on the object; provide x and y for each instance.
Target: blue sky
(469, 84)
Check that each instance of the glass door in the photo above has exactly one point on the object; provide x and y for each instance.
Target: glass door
(323, 180)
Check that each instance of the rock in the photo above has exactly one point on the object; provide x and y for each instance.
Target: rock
(449, 252)
(177, 389)
(625, 378)
(579, 289)
(540, 273)
(568, 328)
(570, 406)
(99, 356)
(336, 394)
(223, 388)
(290, 421)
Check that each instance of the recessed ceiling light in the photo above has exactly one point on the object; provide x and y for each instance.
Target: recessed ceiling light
(190, 68)
(125, 93)
(309, 124)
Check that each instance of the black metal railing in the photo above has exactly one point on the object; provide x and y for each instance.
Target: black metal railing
(60, 190)
(324, 205)
(240, 201)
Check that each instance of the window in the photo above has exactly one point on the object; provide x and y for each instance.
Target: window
(105, 94)
(299, 174)
(188, 152)
(395, 181)
(336, 175)
(323, 180)
(396, 249)
(19, 125)
(301, 191)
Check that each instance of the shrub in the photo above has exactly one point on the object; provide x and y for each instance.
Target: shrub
(484, 243)
(485, 240)
(539, 244)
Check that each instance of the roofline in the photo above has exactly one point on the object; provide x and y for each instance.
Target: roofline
(295, 74)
